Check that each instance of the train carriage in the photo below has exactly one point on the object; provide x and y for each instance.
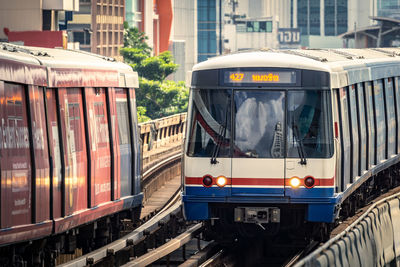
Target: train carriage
(276, 138)
(69, 151)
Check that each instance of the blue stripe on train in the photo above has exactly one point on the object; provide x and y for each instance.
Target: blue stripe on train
(293, 194)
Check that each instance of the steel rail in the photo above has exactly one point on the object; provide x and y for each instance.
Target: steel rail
(129, 239)
(167, 248)
(213, 259)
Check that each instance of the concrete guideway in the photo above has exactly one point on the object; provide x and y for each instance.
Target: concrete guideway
(372, 239)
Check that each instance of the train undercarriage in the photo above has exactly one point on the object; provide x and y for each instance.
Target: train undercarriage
(58, 249)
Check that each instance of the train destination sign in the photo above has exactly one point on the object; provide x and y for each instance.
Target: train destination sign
(259, 77)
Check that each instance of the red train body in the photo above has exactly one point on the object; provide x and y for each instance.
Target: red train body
(68, 149)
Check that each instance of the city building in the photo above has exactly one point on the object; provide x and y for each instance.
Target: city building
(184, 38)
(209, 29)
(133, 13)
(169, 25)
(35, 22)
(154, 18)
(320, 21)
(388, 8)
(98, 27)
(255, 24)
(383, 31)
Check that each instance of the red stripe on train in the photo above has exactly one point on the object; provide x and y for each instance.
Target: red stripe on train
(262, 181)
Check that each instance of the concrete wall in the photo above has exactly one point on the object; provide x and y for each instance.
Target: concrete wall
(373, 240)
(317, 41)
(12, 11)
(359, 11)
(68, 5)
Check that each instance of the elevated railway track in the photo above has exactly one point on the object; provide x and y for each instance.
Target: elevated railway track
(165, 239)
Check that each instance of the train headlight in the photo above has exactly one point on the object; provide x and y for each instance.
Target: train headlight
(295, 182)
(207, 181)
(221, 181)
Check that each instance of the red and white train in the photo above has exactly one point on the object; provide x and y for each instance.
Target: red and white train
(69, 152)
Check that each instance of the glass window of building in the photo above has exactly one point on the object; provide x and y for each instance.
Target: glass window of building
(341, 16)
(329, 14)
(315, 17)
(207, 29)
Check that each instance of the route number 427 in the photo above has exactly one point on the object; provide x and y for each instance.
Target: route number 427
(236, 77)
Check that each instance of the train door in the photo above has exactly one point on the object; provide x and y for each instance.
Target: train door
(74, 147)
(99, 143)
(258, 143)
(15, 157)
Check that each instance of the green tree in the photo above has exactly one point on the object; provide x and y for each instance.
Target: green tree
(156, 97)
(133, 38)
(162, 98)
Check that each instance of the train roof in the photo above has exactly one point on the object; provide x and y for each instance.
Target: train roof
(74, 60)
(346, 66)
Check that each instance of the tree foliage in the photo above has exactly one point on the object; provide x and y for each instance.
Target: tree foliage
(133, 38)
(156, 97)
(162, 98)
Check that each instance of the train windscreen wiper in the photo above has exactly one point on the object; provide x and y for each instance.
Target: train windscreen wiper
(300, 147)
(220, 138)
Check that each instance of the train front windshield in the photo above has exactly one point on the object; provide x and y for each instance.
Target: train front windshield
(260, 124)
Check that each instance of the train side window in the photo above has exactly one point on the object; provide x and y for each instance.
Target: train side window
(101, 124)
(369, 103)
(124, 164)
(363, 163)
(135, 144)
(397, 97)
(390, 116)
(380, 121)
(123, 123)
(344, 137)
(354, 137)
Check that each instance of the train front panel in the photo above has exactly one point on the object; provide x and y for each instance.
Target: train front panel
(260, 146)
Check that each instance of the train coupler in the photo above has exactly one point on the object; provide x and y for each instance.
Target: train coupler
(257, 215)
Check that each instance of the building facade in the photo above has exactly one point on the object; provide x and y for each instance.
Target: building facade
(98, 27)
(28, 19)
(184, 38)
(388, 8)
(169, 25)
(255, 24)
(209, 29)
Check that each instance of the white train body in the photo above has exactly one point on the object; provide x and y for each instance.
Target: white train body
(274, 135)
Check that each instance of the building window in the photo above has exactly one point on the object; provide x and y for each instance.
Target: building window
(255, 26)
(341, 16)
(82, 37)
(315, 17)
(207, 29)
(302, 16)
(330, 17)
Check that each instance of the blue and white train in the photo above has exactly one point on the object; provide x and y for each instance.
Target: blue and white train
(279, 138)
